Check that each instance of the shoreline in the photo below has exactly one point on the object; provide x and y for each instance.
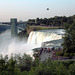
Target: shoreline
(35, 28)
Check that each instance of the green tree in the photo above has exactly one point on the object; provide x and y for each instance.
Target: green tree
(69, 38)
(23, 62)
(61, 70)
(72, 69)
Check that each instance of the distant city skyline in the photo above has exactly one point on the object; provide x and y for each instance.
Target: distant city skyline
(31, 9)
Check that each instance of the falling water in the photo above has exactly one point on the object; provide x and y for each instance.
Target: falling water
(15, 46)
(38, 37)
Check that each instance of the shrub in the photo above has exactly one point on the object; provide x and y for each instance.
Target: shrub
(69, 54)
(66, 54)
(59, 53)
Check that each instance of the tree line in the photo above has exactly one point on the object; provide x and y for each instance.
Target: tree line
(55, 21)
(25, 65)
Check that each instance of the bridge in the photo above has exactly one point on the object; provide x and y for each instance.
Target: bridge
(15, 26)
(20, 25)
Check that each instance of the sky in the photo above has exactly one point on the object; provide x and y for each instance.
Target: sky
(31, 9)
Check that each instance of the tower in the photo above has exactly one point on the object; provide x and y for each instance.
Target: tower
(13, 27)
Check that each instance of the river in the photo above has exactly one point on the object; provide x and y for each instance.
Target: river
(35, 39)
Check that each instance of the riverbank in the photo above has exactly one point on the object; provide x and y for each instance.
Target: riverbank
(35, 28)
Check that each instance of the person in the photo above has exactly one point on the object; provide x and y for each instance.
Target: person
(54, 52)
(48, 50)
(53, 48)
(52, 55)
(48, 56)
(42, 49)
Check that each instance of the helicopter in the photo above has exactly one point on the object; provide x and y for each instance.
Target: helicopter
(47, 8)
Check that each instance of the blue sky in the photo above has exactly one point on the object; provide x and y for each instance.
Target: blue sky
(31, 9)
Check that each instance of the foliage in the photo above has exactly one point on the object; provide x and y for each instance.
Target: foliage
(52, 22)
(23, 65)
(69, 38)
(59, 53)
(72, 69)
(23, 62)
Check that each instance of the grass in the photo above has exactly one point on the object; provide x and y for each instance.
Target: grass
(36, 28)
(42, 27)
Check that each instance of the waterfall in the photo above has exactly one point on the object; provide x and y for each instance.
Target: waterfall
(38, 37)
(10, 45)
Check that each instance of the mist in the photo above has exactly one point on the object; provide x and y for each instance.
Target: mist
(10, 45)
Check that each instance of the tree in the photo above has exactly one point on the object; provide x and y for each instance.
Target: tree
(69, 38)
(61, 70)
(23, 62)
(72, 69)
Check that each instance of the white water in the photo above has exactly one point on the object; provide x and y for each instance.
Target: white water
(40, 37)
(15, 46)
